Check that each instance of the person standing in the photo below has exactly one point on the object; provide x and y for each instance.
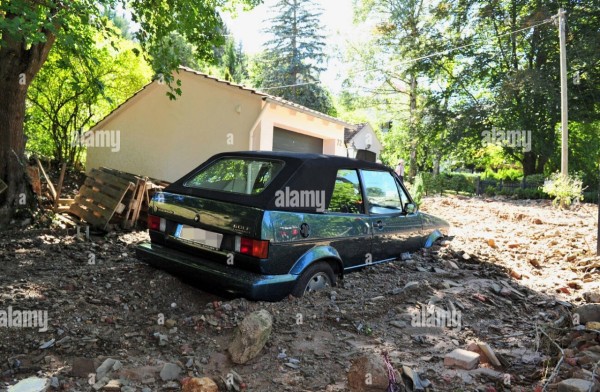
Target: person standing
(400, 170)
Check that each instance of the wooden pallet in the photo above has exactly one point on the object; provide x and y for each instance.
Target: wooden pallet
(137, 205)
(100, 198)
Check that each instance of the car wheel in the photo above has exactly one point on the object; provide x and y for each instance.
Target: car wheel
(318, 276)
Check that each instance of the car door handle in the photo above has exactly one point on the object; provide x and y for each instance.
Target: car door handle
(379, 224)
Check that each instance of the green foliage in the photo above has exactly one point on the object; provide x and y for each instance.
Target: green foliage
(73, 92)
(345, 198)
(456, 182)
(564, 189)
(490, 190)
(418, 189)
(505, 76)
(293, 60)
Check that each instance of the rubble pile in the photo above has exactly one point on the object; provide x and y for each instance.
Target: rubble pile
(474, 312)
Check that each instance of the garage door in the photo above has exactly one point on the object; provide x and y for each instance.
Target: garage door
(284, 140)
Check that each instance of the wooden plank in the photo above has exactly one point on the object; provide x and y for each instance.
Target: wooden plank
(110, 203)
(110, 179)
(133, 211)
(121, 174)
(50, 185)
(96, 209)
(86, 215)
(108, 190)
(61, 178)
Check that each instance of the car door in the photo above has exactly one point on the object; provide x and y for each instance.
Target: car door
(347, 221)
(394, 230)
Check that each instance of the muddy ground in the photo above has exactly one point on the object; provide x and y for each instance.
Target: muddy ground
(509, 270)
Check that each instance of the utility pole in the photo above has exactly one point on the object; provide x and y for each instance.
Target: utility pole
(564, 110)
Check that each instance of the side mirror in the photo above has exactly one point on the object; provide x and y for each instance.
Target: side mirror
(410, 208)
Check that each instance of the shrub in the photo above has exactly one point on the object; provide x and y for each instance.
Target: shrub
(564, 189)
(490, 190)
(418, 189)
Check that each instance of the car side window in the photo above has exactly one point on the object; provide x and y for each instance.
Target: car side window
(403, 195)
(382, 192)
(346, 196)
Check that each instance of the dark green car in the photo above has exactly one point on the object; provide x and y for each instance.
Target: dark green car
(265, 224)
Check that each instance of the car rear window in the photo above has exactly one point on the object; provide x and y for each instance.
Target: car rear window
(247, 176)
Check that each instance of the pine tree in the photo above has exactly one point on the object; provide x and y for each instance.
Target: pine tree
(295, 56)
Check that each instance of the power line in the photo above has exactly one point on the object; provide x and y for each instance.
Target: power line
(549, 20)
(289, 85)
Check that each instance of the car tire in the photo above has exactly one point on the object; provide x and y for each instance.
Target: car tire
(316, 277)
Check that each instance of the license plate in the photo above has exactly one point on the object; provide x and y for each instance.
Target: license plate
(199, 236)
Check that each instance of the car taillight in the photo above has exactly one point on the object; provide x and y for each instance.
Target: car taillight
(156, 223)
(252, 247)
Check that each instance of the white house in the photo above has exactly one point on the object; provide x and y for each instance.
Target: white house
(154, 136)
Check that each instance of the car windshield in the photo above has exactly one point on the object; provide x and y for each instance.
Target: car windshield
(236, 175)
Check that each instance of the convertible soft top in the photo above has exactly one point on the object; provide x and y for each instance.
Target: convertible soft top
(301, 172)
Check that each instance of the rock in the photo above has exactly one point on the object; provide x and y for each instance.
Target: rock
(592, 297)
(462, 359)
(169, 372)
(113, 385)
(588, 312)
(203, 384)
(170, 323)
(82, 367)
(106, 367)
(31, 384)
(489, 353)
(368, 373)
(575, 385)
(250, 336)
(593, 325)
(143, 373)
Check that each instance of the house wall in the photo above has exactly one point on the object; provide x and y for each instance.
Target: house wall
(365, 137)
(277, 115)
(166, 139)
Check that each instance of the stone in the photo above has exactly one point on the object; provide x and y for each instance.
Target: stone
(576, 385)
(106, 367)
(592, 296)
(462, 359)
(593, 325)
(368, 374)
(489, 353)
(31, 384)
(196, 384)
(169, 372)
(170, 323)
(113, 386)
(588, 312)
(250, 336)
(83, 367)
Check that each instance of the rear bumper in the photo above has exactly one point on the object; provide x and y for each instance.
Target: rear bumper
(216, 275)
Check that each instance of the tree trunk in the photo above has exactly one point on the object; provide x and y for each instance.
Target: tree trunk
(18, 66)
(12, 144)
(412, 134)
